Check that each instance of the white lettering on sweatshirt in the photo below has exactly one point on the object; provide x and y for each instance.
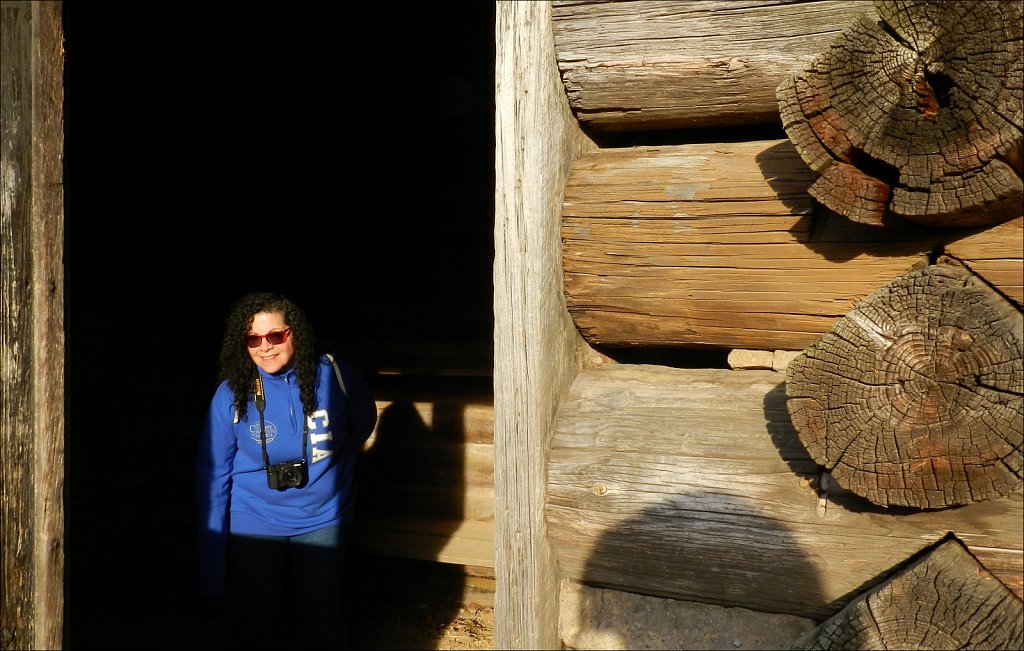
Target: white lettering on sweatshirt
(318, 433)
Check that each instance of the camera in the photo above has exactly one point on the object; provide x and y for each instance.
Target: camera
(288, 474)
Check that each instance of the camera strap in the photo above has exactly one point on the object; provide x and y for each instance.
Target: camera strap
(261, 404)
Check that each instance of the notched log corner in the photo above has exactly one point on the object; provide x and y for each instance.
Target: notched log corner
(916, 397)
(917, 116)
(943, 600)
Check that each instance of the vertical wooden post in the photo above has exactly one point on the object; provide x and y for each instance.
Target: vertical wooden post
(535, 342)
(31, 327)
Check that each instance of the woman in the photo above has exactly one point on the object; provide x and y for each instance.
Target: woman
(275, 472)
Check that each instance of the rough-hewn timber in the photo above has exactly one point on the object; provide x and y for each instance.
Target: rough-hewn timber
(692, 484)
(916, 397)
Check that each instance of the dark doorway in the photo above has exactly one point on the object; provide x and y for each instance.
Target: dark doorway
(341, 155)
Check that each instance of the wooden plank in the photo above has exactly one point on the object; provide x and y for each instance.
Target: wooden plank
(417, 500)
(635, 66)
(425, 480)
(535, 344)
(719, 245)
(692, 484)
(452, 419)
(31, 329)
(458, 542)
(457, 465)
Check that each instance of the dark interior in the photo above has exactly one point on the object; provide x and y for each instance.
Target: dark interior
(341, 154)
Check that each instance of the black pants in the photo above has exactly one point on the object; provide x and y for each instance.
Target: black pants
(286, 590)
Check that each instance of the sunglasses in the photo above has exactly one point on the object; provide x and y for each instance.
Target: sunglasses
(273, 338)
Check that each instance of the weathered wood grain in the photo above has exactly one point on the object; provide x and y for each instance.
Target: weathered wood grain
(719, 245)
(943, 600)
(32, 326)
(995, 254)
(636, 66)
(916, 397)
(535, 344)
(692, 484)
(1005, 564)
(918, 115)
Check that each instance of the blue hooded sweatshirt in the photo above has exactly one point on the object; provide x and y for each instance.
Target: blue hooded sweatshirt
(231, 482)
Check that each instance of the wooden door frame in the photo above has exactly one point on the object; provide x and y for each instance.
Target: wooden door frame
(32, 326)
(537, 349)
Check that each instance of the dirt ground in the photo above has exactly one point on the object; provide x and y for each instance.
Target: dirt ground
(426, 627)
(393, 604)
(414, 605)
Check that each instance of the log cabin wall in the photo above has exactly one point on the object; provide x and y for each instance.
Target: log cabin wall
(693, 226)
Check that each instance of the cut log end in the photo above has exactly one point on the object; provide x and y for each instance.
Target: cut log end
(916, 397)
(927, 104)
(934, 603)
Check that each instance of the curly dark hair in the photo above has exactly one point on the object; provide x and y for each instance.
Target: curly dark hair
(237, 367)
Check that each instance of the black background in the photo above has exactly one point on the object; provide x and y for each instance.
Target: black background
(343, 156)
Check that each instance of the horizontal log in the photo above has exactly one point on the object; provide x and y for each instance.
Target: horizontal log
(719, 245)
(692, 484)
(636, 66)
(1003, 563)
